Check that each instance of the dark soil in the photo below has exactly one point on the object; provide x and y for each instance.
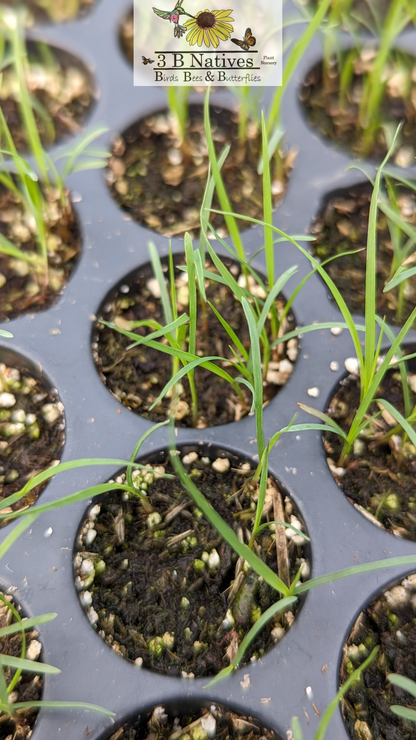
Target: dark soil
(160, 584)
(379, 477)
(62, 87)
(341, 226)
(161, 184)
(225, 725)
(23, 288)
(127, 36)
(389, 622)
(339, 120)
(56, 11)
(31, 433)
(28, 687)
(136, 377)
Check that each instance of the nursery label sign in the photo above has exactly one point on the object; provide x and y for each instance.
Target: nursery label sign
(188, 44)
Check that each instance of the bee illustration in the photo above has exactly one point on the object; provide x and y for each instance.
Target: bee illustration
(248, 41)
(147, 61)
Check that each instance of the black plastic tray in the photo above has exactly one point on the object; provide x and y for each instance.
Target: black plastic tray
(57, 342)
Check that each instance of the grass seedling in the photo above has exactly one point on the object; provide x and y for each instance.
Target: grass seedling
(373, 364)
(24, 184)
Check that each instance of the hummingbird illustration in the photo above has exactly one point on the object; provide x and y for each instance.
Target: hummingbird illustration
(173, 16)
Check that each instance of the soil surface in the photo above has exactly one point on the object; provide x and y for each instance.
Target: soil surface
(161, 183)
(136, 377)
(29, 686)
(338, 117)
(26, 288)
(342, 226)
(378, 478)
(31, 433)
(217, 722)
(62, 88)
(56, 11)
(160, 584)
(389, 622)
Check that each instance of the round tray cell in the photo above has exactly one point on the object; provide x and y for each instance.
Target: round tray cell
(378, 475)
(27, 688)
(31, 428)
(137, 376)
(126, 36)
(389, 622)
(62, 88)
(159, 583)
(196, 722)
(340, 117)
(52, 11)
(29, 283)
(342, 226)
(161, 182)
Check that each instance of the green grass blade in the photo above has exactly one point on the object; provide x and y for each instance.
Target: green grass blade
(267, 204)
(403, 683)
(222, 527)
(334, 427)
(354, 570)
(58, 705)
(329, 711)
(404, 712)
(186, 370)
(273, 293)
(251, 635)
(27, 624)
(17, 531)
(296, 729)
(27, 665)
(207, 200)
(160, 277)
(400, 418)
(219, 184)
(136, 450)
(255, 356)
(231, 333)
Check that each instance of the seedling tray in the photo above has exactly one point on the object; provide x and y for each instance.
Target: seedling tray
(57, 344)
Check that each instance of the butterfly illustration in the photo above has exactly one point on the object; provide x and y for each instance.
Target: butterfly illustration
(248, 41)
(147, 61)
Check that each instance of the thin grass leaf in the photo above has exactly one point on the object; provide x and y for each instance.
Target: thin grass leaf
(207, 200)
(314, 327)
(404, 712)
(6, 334)
(324, 417)
(199, 270)
(255, 357)
(400, 418)
(27, 624)
(160, 277)
(272, 295)
(267, 204)
(251, 635)
(188, 368)
(329, 711)
(296, 729)
(137, 447)
(231, 333)
(354, 570)
(17, 531)
(401, 275)
(55, 705)
(403, 683)
(219, 184)
(79, 149)
(164, 331)
(28, 665)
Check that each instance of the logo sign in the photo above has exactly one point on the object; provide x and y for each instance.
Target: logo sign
(186, 43)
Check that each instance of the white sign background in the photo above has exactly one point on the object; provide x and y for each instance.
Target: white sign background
(164, 54)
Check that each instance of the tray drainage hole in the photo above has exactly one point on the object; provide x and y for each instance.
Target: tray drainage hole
(342, 226)
(50, 11)
(31, 428)
(378, 475)
(137, 376)
(193, 722)
(161, 183)
(162, 587)
(29, 686)
(338, 118)
(389, 621)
